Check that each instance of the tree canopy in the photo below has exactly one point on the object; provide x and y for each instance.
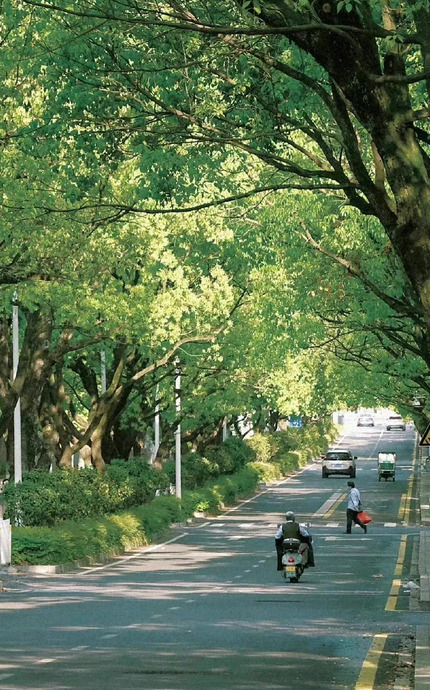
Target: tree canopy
(244, 186)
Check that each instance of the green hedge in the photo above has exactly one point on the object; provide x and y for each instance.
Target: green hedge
(218, 460)
(114, 534)
(44, 499)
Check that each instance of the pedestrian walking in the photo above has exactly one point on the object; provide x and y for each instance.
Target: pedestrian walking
(353, 508)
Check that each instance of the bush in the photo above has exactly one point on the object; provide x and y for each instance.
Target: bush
(114, 534)
(44, 499)
(230, 457)
(262, 446)
(267, 471)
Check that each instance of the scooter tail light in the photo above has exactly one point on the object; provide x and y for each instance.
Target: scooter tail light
(291, 559)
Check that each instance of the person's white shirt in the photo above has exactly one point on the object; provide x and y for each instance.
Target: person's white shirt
(354, 499)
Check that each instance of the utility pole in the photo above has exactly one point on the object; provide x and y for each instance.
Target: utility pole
(178, 431)
(156, 425)
(103, 370)
(17, 451)
(224, 429)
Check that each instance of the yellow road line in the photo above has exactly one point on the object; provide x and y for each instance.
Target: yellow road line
(395, 587)
(401, 557)
(334, 507)
(405, 501)
(392, 598)
(367, 676)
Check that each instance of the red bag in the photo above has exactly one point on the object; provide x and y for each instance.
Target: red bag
(364, 517)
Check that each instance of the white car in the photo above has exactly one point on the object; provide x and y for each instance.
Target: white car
(396, 422)
(338, 462)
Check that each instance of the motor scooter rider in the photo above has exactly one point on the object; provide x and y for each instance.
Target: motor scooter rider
(292, 529)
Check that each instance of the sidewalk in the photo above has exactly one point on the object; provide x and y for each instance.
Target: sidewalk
(422, 644)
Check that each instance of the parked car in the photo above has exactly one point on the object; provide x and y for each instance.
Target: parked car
(365, 420)
(395, 421)
(338, 462)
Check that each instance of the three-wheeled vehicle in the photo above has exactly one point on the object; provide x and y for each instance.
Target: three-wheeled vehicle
(387, 466)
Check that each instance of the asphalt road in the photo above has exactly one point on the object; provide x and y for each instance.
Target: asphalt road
(208, 610)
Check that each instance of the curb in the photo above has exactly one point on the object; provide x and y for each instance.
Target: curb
(423, 565)
(88, 562)
(422, 667)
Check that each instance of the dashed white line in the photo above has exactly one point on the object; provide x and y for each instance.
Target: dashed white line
(44, 661)
(108, 637)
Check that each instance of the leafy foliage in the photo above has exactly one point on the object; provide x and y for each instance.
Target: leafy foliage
(46, 499)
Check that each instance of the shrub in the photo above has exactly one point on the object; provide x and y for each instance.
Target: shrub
(262, 446)
(44, 499)
(225, 459)
(113, 534)
(267, 471)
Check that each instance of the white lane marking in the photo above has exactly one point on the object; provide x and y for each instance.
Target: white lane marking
(190, 601)
(376, 444)
(245, 525)
(237, 577)
(328, 504)
(256, 566)
(263, 560)
(390, 524)
(205, 524)
(174, 608)
(44, 661)
(247, 571)
(78, 649)
(332, 524)
(108, 637)
(218, 524)
(135, 555)
(236, 538)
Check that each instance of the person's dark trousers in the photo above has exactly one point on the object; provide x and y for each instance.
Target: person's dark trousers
(278, 543)
(351, 516)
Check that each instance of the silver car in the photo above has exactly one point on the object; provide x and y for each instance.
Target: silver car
(338, 462)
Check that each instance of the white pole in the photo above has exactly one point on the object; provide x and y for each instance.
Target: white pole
(178, 432)
(224, 429)
(17, 457)
(156, 425)
(103, 370)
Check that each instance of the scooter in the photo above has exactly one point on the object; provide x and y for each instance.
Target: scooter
(292, 561)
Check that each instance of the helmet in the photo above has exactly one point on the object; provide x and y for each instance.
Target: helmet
(290, 516)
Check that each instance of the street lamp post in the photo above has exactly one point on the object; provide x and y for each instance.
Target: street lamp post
(156, 425)
(178, 431)
(103, 370)
(17, 452)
